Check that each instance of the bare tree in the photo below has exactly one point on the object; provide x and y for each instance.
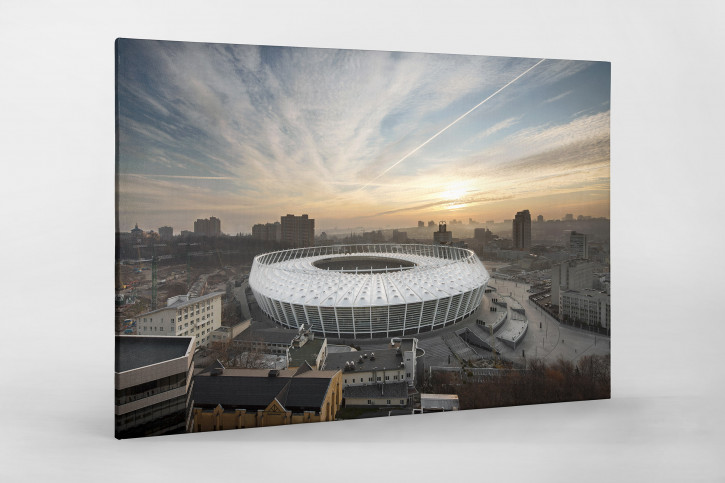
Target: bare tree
(241, 353)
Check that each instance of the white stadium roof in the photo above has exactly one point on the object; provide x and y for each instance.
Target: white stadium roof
(439, 271)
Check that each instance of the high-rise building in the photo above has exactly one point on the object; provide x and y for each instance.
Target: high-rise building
(431, 224)
(268, 231)
(569, 217)
(570, 275)
(522, 230)
(166, 233)
(399, 236)
(298, 231)
(482, 235)
(481, 238)
(540, 218)
(578, 245)
(208, 227)
(421, 224)
(442, 236)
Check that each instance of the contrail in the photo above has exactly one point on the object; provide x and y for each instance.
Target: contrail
(451, 124)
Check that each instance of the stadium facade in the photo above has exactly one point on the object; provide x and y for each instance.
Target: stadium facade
(368, 291)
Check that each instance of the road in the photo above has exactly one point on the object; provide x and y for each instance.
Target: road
(547, 338)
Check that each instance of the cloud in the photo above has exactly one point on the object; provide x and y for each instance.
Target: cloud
(505, 124)
(287, 128)
(556, 98)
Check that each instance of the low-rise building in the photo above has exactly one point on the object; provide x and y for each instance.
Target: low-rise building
(436, 403)
(184, 316)
(249, 398)
(154, 384)
(393, 368)
(586, 306)
(274, 341)
(312, 351)
(225, 334)
(395, 394)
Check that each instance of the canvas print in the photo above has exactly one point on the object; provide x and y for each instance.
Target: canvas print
(314, 235)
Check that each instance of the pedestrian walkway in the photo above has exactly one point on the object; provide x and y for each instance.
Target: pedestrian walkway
(460, 348)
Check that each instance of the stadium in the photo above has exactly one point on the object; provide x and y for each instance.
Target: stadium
(369, 291)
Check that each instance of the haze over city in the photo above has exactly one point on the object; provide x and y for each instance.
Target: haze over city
(355, 138)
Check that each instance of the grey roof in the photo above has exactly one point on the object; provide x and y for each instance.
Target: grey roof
(135, 351)
(194, 300)
(255, 392)
(406, 345)
(183, 303)
(384, 359)
(270, 336)
(445, 402)
(396, 390)
(307, 352)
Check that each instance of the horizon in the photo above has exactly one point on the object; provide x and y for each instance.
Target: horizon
(371, 139)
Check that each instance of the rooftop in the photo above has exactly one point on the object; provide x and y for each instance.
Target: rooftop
(135, 351)
(447, 402)
(271, 335)
(307, 352)
(384, 359)
(181, 302)
(436, 271)
(254, 389)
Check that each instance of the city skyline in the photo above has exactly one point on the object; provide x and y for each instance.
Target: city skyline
(355, 138)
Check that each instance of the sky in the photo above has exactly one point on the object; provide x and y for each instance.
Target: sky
(364, 139)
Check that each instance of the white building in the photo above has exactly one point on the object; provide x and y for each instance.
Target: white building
(184, 316)
(586, 306)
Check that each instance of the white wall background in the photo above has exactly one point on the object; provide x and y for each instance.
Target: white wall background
(665, 421)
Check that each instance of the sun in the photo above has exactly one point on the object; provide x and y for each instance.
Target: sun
(454, 192)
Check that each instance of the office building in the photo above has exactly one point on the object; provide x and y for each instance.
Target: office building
(184, 316)
(298, 231)
(586, 306)
(154, 383)
(522, 230)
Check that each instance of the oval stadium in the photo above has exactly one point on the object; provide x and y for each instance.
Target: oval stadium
(369, 291)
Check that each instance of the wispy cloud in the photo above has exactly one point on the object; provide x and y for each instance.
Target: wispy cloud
(285, 129)
(556, 98)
